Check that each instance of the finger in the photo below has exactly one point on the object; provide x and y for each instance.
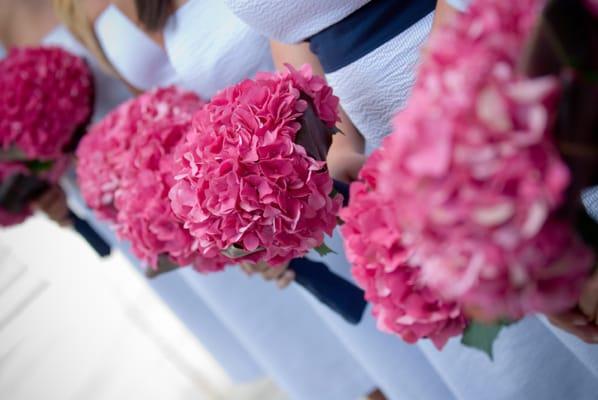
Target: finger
(275, 272)
(572, 317)
(272, 273)
(65, 221)
(57, 208)
(45, 200)
(262, 267)
(247, 269)
(577, 326)
(588, 301)
(58, 212)
(285, 280)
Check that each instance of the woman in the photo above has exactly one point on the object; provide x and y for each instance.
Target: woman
(369, 50)
(201, 321)
(206, 48)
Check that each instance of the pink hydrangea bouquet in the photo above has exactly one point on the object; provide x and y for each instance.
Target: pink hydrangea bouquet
(46, 97)
(481, 178)
(252, 183)
(471, 181)
(126, 170)
(402, 303)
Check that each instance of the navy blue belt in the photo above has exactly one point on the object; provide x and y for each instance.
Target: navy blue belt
(365, 30)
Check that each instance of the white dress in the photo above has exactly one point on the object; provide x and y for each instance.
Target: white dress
(533, 359)
(209, 48)
(184, 302)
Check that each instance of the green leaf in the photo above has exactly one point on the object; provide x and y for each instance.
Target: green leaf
(39, 166)
(482, 336)
(324, 250)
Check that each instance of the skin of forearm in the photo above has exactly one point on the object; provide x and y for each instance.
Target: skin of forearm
(349, 140)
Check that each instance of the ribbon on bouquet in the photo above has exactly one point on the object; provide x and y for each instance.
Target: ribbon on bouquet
(338, 294)
(19, 190)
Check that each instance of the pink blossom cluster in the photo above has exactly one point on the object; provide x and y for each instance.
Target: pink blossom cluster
(144, 214)
(102, 156)
(244, 183)
(480, 177)
(592, 5)
(46, 94)
(126, 170)
(381, 264)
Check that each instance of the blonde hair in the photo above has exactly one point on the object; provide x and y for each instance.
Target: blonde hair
(73, 15)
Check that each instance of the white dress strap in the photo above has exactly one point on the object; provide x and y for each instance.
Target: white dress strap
(210, 48)
(145, 67)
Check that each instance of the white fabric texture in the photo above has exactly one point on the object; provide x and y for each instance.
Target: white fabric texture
(210, 48)
(186, 304)
(374, 87)
(292, 21)
(117, 35)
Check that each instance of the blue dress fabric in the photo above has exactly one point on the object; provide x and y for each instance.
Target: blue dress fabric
(365, 30)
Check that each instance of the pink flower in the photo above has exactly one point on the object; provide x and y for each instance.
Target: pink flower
(102, 155)
(382, 266)
(479, 177)
(126, 171)
(592, 5)
(46, 94)
(244, 183)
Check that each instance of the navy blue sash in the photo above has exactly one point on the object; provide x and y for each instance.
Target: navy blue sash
(365, 30)
(338, 294)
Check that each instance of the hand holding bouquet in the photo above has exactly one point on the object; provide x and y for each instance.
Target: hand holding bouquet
(253, 184)
(472, 182)
(246, 187)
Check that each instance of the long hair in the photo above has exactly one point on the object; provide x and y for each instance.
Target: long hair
(72, 14)
(153, 14)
